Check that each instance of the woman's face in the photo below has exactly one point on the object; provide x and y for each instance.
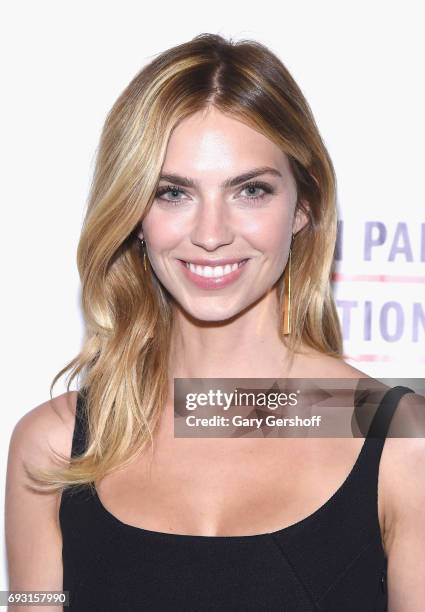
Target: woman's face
(208, 212)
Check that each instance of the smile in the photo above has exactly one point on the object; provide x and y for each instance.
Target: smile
(213, 271)
(213, 276)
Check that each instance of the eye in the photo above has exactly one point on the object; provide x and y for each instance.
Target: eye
(249, 187)
(169, 189)
(267, 189)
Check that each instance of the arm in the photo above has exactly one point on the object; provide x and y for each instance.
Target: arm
(405, 528)
(33, 537)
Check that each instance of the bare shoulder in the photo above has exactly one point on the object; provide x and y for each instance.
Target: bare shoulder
(402, 466)
(33, 537)
(48, 425)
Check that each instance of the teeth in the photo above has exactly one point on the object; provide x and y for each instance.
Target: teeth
(212, 271)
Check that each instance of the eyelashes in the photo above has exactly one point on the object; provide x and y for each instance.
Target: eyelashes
(265, 187)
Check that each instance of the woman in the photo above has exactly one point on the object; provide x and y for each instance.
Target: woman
(208, 159)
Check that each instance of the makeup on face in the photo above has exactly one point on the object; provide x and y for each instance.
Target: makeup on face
(222, 209)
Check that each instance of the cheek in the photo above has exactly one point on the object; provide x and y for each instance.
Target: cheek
(270, 235)
(161, 231)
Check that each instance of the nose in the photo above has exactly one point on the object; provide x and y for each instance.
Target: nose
(212, 226)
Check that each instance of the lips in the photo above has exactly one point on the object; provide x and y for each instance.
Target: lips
(213, 282)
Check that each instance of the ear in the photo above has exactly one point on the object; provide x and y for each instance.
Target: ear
(301, 217)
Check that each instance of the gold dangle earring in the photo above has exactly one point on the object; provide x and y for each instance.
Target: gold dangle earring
(287, 294)
(142, 244)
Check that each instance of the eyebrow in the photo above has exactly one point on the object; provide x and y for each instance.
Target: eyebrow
(184, 181)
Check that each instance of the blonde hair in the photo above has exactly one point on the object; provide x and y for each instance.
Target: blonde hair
(127, 313)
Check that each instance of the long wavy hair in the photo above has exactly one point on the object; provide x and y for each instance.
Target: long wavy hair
(122, 366)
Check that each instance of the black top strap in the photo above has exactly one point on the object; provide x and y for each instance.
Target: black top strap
(385, 411)
(79, 438)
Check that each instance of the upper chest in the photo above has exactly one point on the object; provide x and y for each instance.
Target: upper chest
(230, 487)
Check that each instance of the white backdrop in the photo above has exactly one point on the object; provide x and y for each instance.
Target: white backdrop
(361, 68)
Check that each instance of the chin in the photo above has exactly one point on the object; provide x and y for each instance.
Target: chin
(212, 315)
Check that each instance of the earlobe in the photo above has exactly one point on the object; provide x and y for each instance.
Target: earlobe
(139, 230)
(301, 218)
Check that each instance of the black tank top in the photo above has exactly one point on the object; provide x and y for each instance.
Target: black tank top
(332, 560)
